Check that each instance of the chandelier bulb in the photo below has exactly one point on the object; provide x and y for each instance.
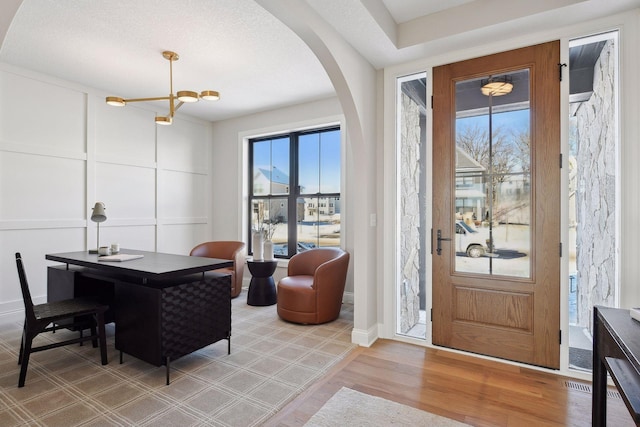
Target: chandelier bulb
(210, 95)
(163, 120)
(187, 96)
(115, 101)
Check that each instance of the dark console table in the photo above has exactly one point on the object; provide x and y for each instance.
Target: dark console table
(164, 306)
(616, 349)
(262, 289)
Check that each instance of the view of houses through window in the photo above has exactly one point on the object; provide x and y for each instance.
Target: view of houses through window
(294, 194)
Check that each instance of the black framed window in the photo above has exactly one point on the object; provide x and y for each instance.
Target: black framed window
(294, 190)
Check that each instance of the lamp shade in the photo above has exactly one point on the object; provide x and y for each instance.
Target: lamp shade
(160, 120)
(187, 96)
(98, 214)
(210, 95)
(115, 101)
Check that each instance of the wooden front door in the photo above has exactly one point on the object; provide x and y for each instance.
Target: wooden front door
(496, 205)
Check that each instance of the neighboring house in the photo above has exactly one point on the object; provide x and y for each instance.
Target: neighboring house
(274, 181)
(270, 181)
(470, 188)
(324, 207)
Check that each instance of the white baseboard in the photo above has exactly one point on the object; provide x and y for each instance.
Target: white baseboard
(363, 337)
(13, 311)
(14, 316)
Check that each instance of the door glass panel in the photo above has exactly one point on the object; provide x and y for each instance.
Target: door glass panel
(492, 220)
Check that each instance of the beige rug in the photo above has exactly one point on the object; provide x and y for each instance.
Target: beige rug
(271, 362)
(351, 408)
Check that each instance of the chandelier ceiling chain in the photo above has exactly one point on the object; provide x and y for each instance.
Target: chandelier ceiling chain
(183, 96)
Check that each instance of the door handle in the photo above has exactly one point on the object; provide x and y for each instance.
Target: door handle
(440, 239)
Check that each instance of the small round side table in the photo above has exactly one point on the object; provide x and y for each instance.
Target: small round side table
(262, 289)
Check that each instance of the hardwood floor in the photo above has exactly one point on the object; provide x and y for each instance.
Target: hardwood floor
(468, 389)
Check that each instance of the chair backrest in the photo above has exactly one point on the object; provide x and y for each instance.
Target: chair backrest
(26, 295)
(222, 249)
(306, 263)
(225, 249)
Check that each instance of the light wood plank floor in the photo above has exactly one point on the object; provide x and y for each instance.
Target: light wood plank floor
(465, 388)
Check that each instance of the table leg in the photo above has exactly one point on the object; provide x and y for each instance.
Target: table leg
(599, 397)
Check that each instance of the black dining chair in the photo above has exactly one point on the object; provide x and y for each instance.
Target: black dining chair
(83, 313)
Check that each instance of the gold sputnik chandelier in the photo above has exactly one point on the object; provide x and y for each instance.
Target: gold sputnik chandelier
(183, 96)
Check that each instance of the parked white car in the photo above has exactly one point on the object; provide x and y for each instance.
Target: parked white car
(469, 240)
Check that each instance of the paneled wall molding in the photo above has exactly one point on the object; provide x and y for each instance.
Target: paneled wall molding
(42, 223)
(127, 222)
(121, 160)
(155, 182)
(190, 171)
(13, 147)
(175, 221)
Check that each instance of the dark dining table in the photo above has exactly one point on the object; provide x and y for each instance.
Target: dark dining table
(616, 350)
(164, 305)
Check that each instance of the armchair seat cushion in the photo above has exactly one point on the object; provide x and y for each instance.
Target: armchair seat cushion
(296, 294)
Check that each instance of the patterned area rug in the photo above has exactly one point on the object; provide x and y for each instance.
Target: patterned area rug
(271, 362)
(351, 408)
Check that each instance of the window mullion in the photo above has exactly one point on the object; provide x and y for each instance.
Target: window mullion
(293, 194)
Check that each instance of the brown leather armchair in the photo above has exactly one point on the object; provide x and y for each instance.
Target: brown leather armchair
(225, 249)
(312, 291)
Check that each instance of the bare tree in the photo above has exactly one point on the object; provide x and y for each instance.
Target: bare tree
(522, 149)
(498, 162)
(500, 157)
(267, 215)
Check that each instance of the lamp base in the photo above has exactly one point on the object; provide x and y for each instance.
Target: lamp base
(93, 251)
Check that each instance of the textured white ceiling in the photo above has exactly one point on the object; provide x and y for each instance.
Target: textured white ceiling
(233, 46)
(241, 50)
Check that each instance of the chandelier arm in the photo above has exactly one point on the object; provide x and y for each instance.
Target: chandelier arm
(171, 75)
(178, 106)
(157, 98)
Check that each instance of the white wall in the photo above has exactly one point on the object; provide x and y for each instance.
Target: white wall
(62, 149)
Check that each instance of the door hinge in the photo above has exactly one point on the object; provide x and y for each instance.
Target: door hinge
(560, 66)
(432, 102)
(560, 160)
(431, 315)
(560, 336)
(560, 249)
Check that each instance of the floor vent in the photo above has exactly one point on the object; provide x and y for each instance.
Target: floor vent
(586, 388)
